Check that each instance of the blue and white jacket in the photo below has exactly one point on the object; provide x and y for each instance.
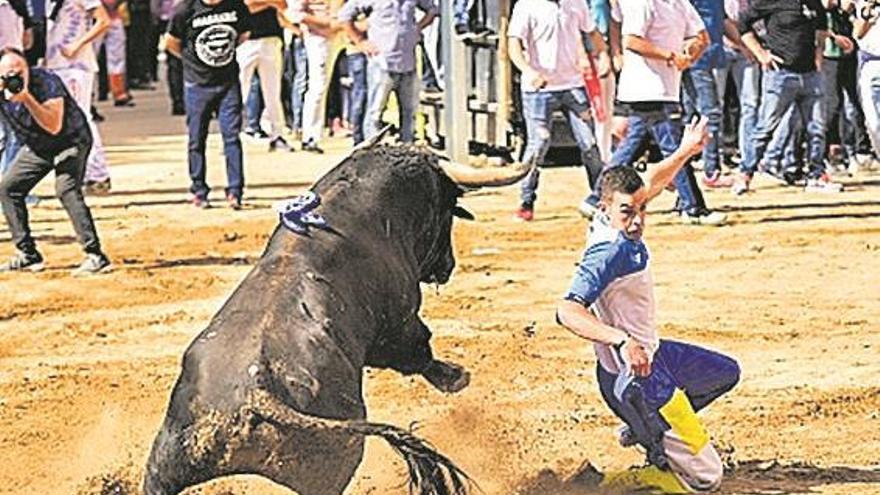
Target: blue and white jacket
(614, 278)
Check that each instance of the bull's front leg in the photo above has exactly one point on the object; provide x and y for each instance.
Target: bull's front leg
(408, 350)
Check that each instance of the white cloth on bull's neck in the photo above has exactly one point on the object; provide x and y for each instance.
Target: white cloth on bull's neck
(297, 214)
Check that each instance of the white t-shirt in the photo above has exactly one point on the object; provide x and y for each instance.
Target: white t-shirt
(870, 43)
(666, 24)
(12, 27)
(550, 32)
(73, 21)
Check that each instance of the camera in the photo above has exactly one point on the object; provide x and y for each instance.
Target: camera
(13, 82)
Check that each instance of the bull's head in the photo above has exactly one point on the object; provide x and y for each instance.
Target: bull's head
(438, 260)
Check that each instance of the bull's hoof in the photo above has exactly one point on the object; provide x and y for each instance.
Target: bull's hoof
(447, 377)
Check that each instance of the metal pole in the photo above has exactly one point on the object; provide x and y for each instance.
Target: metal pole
(456, 83)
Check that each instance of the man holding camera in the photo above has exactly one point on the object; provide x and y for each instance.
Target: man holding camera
(56, 135)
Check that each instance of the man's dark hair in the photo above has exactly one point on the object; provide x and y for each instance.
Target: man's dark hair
(620, 179)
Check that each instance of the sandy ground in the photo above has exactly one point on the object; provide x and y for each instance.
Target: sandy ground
(790, 289)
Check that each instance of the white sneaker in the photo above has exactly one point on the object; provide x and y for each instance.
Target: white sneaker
(741, 185)
(704, 217)
(823, 185)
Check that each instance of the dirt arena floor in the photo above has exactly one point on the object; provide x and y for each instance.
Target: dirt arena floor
(791, 289)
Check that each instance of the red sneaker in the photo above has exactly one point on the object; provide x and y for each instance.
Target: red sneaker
(717, 181)
(525, 213)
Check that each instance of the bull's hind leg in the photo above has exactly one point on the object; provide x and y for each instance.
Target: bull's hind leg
(409, 352)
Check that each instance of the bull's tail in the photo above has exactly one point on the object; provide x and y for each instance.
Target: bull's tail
(430, 472)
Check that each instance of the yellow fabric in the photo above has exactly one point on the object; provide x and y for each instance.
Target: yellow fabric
(679, 413)
(649, 478)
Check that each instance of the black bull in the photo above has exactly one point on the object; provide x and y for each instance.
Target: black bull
(273, 385)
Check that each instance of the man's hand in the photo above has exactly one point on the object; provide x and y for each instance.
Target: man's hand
(637, 357)
(21, 96)
(534, 79)
(680, 61)
(603, 64)
(695, 136)
(844, 43)
(768, 60)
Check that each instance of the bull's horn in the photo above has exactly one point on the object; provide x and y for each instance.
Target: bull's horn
(467, 176)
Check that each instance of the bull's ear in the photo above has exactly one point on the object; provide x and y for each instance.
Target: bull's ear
(460, 212)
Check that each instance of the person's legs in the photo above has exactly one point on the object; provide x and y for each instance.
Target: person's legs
(780, 88)
(229, 114)
(666, 128)
(200, 104)
(379, 84)
(300, 82)
(270, 65)
(175, 83)
(116, 68)
(408, 85)
(357, 70)
(577, 109)
(538, 110)
(26, 171)
(810, 102)
(702, 374)
(747, 77)
(708, 104)
(831, 96)
(317, 50)
(855, 134)
(869, 94)
(781, 146)
(68, 182)
(79, 84)
(248, 56)
(603, 129)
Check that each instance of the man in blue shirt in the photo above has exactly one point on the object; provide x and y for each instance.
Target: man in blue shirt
(655, 386)
(390, 44)
(56, 136)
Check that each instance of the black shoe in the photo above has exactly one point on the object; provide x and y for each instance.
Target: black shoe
(94, 263)
(233, 201)
(178, 111)
(280, 144)
(128, 101)
(96, 116)
(21, 261)
(312, 147)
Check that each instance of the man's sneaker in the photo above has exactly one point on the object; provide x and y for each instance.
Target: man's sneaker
(256, 133)
(233, 201)
(717, 181)
(97, 188)
(94, 263)
(21, 261)
(200, 202)
(280, 144)
(741, 184)
(823, 184)
(587, 209)
(704, 217)
(312, 147)
(526, 212)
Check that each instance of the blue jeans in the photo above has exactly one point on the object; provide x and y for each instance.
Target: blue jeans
(782, 89)
(254, 104)
(701, 96)
(662, 121)
(201, 103)
(380, 84)
(357, 70)
(782, 151)
(747, 78)
(300, 82)
(538, 109)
